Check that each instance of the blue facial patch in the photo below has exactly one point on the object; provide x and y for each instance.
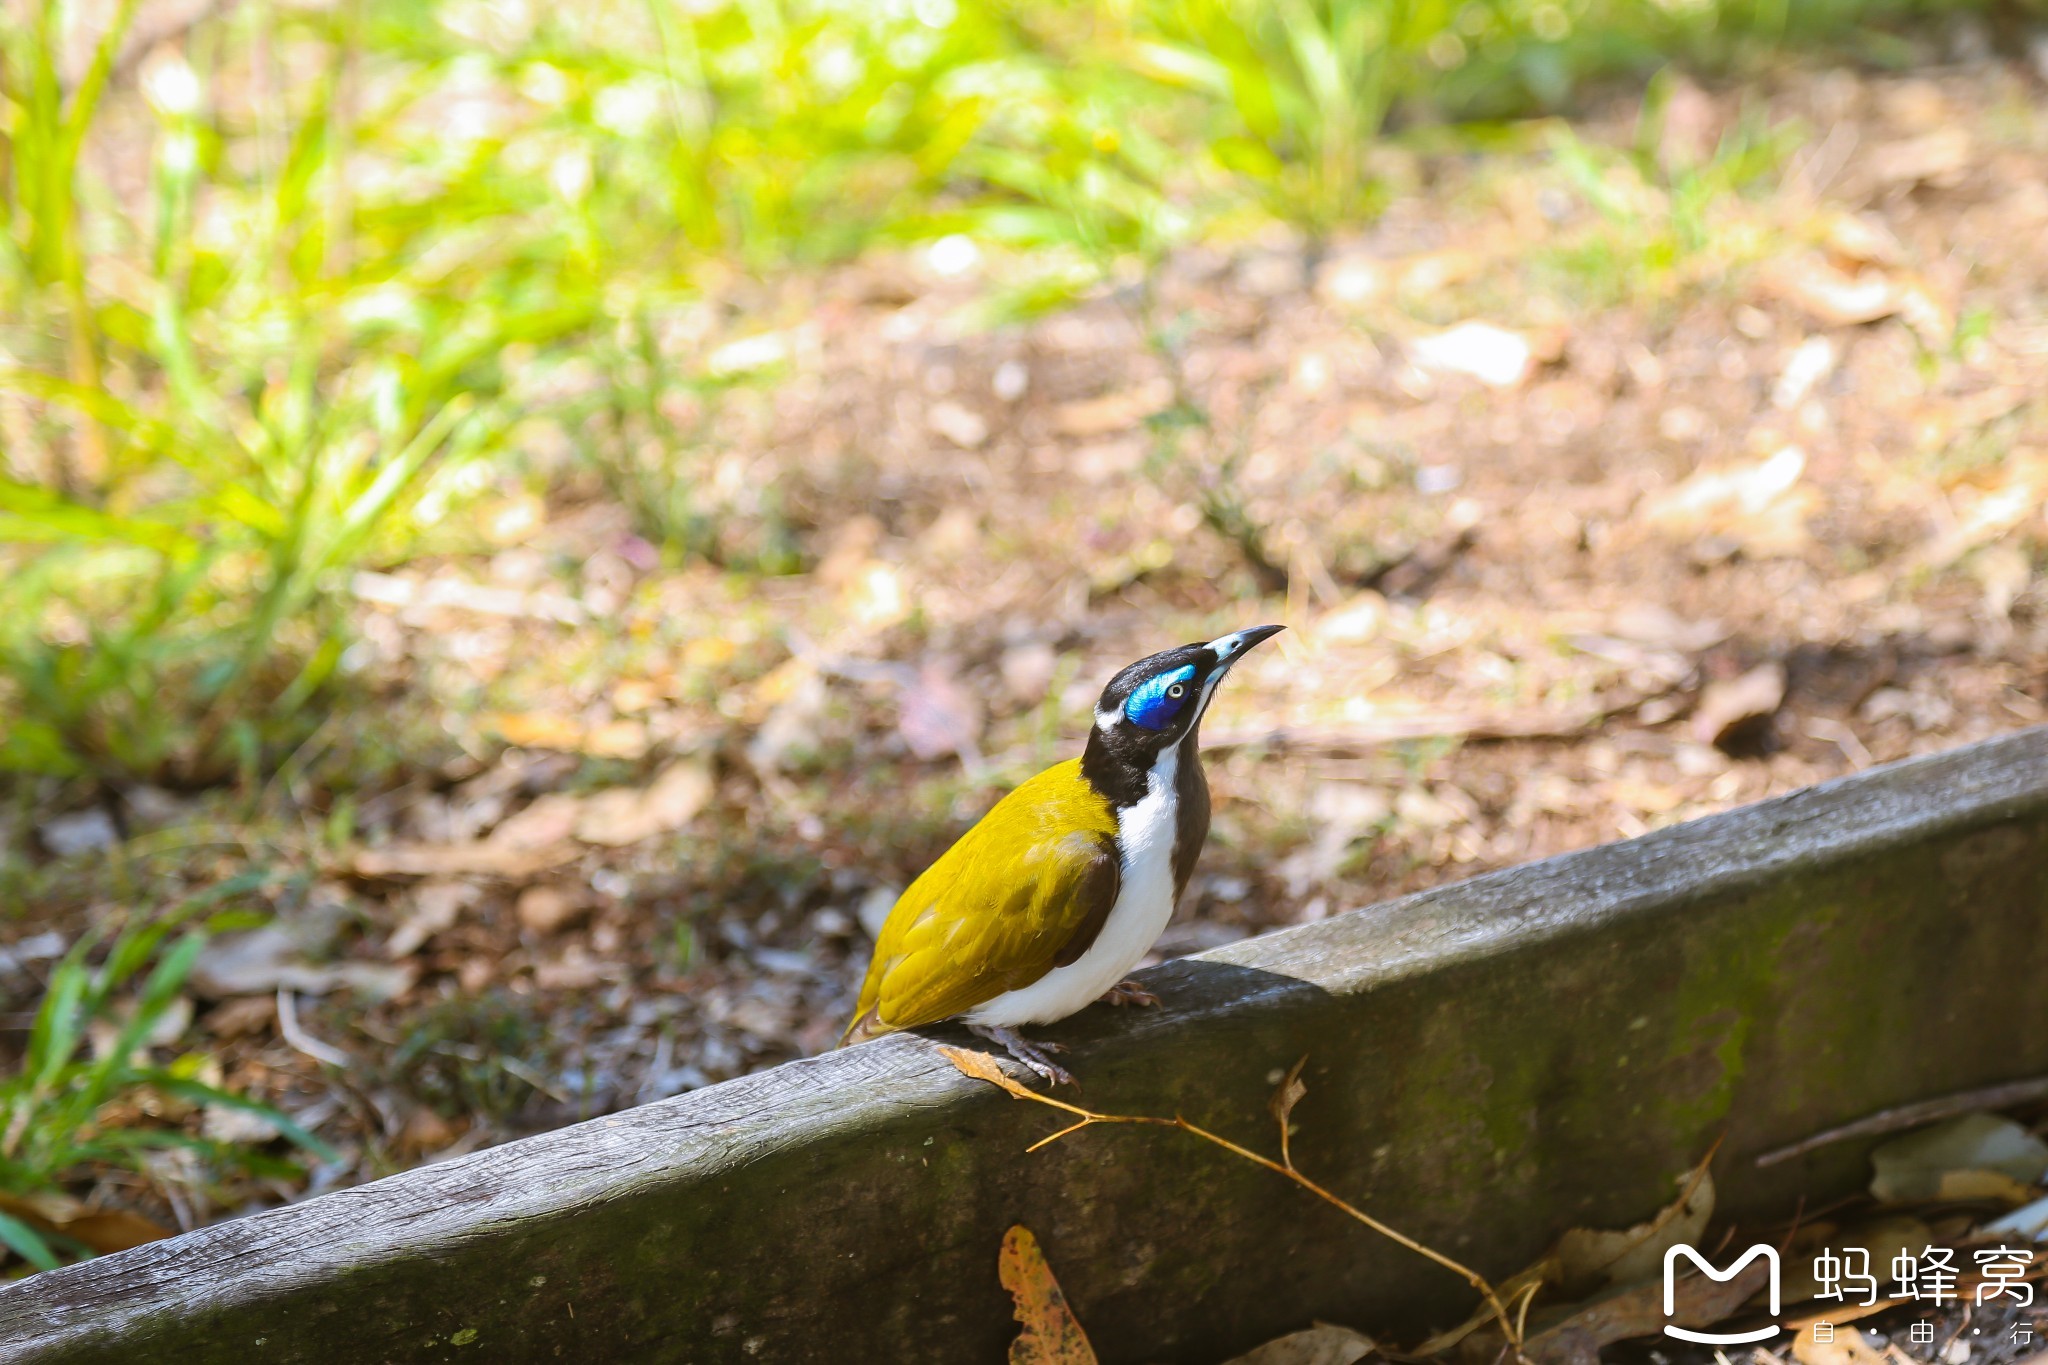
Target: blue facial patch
(1158, 700)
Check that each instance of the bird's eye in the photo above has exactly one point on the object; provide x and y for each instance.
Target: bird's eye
(1155, 702)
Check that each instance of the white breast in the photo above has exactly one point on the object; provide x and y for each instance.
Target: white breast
(1144, 903)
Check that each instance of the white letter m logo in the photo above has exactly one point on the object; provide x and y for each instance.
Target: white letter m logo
(1770, 1257)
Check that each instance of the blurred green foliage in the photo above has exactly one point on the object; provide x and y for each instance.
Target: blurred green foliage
(90, 1054)
(1658, 201)
(380, 241)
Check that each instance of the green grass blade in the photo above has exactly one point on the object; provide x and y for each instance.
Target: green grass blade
(200, 1093)
(25, 1242)
(53, 1037)
(31, 513)
(165, 980)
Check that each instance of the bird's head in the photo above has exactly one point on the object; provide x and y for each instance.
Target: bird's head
(1159, 700)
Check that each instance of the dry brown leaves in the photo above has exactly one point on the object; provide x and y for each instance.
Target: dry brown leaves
(103, 1230)
(1323, 1344)
(1291, 1092)
(1760, 507)
(1591, 1257)
(1113, 412)
(552, 730)
(1638, 1311)
(1835, 295)
(1052, 1335)
(983, 1067)
(549, 832)
(1587, 1260)
(1731, 708)
(1971, 1156)
(939, 716)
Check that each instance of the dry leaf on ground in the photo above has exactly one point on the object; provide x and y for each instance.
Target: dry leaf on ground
(1759, 507)
(1323, 1344)
(104, 1230)
(270, 958)
(545, 824)
(479, 859)
(531, 841)
(1835, 297)
(1732, 710)
(547, 908)
(1591, 1257)
(938, 716)
(982, 1067)
(790, 726)
(1883, 1239)
(1862, 239)
(619, 816)
(1113, 412)
(1588, 1258)
(218, 1123)
(1051, 1335)
(576, 970)
(545, 834)
(552, 730)
(1939, 158)
(1989, 513)
(1638, 1311)
(1973, 1156)
(436, 905)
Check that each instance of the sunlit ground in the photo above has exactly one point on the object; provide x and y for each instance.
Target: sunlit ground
(555, 581)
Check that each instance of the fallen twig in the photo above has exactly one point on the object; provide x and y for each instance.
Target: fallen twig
(302, 1041)
(1913, 1115)
(983, 1067)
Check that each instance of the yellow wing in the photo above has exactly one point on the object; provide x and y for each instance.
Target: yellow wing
(1026, 890)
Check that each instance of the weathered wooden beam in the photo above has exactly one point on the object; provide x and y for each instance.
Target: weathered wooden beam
(1488, 1063)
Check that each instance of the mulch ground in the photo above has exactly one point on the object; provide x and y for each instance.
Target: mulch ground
(1585, 520)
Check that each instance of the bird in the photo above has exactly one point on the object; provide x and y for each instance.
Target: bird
(1045, 905)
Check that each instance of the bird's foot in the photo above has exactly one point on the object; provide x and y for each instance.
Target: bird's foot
(1035, 1056)
(1128, 993)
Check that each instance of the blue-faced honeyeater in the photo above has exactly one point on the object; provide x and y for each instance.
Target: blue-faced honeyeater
(1044, 905)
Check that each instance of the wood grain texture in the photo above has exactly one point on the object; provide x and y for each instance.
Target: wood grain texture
(1489, 1062)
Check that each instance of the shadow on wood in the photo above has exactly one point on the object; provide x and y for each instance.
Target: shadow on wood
(1489, 1063)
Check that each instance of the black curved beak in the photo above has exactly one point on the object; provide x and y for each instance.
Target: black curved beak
(1228, 649)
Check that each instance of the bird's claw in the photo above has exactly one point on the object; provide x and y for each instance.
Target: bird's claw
(1034, 1057)
(1128, 993)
